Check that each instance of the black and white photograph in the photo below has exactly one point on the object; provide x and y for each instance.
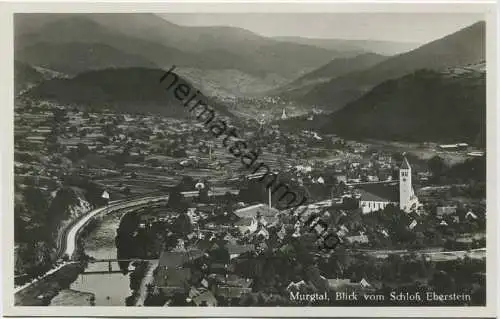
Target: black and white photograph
(251, 159)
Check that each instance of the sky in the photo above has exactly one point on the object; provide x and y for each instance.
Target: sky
(400, 27)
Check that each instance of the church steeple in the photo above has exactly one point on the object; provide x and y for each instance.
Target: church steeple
(283, 115)
(405, 164)
(407, 198)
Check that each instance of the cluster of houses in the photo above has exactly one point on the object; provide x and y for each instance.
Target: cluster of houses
(374, 181)
(204, 271)
(44, 143)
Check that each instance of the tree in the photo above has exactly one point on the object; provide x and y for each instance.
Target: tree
(203, 195)
(60, 115)
(35, 200)
(153, 299)
(93, 191)
(83, 133)
(436, 165)
(182, 225)
(248, 300)
(442, 282)
(175, 197)
(178, 299)
(53, 146)
(186, 184)
(220, 254)
(104, 140)
(109, 130)
(127, 190)
(82, 150)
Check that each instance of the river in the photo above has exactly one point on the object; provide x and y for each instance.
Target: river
(109, 289)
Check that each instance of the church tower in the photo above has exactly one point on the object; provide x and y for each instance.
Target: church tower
(407, 198)
(283, 115)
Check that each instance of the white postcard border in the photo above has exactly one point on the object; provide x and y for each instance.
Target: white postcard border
(7, 94)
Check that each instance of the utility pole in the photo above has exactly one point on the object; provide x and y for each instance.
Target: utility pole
(269, 192)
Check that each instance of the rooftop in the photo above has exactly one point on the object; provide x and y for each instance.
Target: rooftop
(174, 259)
(251, 211)
(379, 192)
(405, 164)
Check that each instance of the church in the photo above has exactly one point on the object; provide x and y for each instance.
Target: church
(283, 115)
(375, 196)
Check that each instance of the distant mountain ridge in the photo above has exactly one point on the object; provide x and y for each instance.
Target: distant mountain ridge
(350, 47)
(230, 82)
(265, 55)
(130, 90)
(61, 32)
(147, 40)
(341, 66)
(423, 106)
(75, 57)
(25, 76)
(463, 47)
(331, 70)
(165, 43)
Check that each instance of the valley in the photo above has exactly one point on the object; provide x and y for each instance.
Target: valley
(123, 197)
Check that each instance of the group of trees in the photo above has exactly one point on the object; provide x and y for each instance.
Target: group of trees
(92, 191)
(149, 241)
(36, 222)
(281, 263)
(136, 277)
(409, 273)
(187, 184)
(38, 215)
(292, 261)
(397, 274)
(126, 244)
(471, 170)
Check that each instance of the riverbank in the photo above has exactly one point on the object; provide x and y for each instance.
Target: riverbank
(146, 280)
(136, 278)
(70, 297)
(41, 292)
(44, 290)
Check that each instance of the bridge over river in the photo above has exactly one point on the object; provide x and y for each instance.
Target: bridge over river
(109, 266)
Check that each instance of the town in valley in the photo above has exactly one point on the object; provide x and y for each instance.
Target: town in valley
(124, 198)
